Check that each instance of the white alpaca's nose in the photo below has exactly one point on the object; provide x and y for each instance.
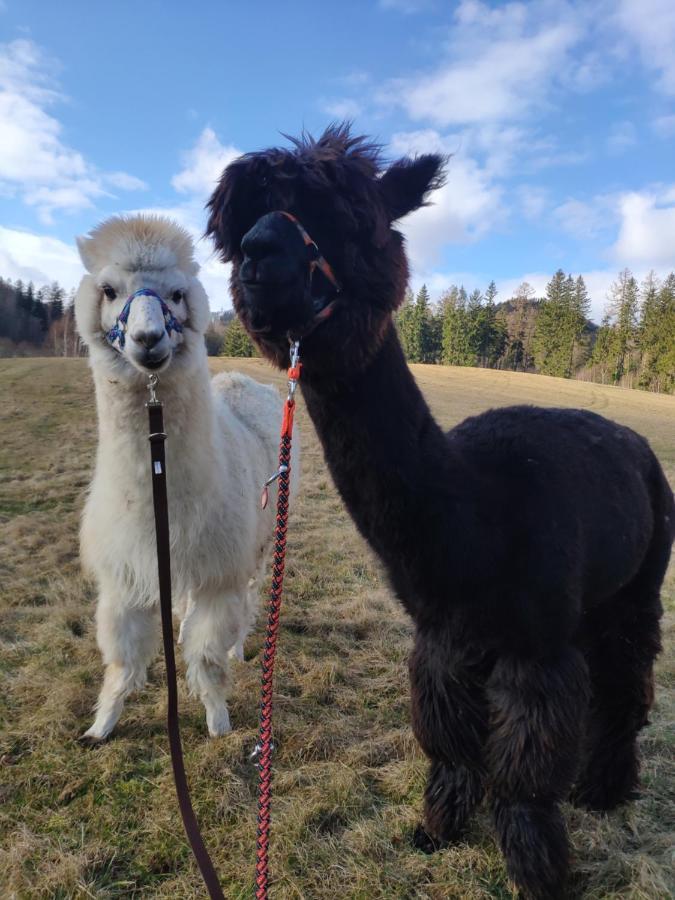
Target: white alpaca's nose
(146, 322)
(148, 338)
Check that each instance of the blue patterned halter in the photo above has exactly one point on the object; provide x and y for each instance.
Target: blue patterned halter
(117, 334)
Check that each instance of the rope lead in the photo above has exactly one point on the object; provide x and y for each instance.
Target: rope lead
(264, 747)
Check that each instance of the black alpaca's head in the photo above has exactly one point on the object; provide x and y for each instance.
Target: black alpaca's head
(337, 189)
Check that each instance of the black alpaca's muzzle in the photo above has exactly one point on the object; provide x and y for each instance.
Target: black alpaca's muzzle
(286, 283)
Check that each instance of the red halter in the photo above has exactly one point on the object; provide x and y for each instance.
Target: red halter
(319, 262)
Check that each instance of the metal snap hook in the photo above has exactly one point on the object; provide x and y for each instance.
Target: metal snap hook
(153, 381)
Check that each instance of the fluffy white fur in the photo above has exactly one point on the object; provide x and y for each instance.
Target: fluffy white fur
(222, 444)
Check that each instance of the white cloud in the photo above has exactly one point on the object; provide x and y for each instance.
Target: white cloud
(35, 162)
(651, 24)
(501, 63)
(124, 181)
(646, 233)
(464, 209)
(38, 258)
(204, 164)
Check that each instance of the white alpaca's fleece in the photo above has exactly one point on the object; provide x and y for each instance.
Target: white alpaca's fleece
(222, 445)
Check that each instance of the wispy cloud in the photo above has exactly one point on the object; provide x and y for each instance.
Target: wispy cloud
(651, 25)
(584, 219)
(499, 64)
(203, 165)
(345, 108)
(664, 126)
(35, 162)
(532, 200)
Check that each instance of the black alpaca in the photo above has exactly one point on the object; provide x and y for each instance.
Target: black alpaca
(529, 545)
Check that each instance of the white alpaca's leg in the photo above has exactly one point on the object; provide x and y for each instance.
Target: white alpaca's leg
(209, 633)
(128, 638)
(250, 613)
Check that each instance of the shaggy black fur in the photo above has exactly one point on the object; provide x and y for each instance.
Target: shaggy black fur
(529, 545)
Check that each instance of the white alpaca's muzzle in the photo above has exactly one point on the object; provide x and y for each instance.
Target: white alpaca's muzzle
(148, 330)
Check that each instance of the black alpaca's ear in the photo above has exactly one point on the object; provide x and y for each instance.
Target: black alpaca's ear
(406, 184)
(223, 213)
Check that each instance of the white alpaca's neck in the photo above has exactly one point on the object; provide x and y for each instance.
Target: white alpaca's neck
(123, 450)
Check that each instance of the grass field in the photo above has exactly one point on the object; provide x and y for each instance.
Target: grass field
(349, 776)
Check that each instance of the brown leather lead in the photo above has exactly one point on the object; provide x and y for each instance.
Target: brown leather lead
(159, 497)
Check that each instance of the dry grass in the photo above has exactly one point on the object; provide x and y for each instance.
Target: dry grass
(349, 777)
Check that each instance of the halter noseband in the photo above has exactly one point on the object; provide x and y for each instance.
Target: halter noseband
(116, 337)
(318, 261)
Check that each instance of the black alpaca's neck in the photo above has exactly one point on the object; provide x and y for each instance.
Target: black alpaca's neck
(391, 463)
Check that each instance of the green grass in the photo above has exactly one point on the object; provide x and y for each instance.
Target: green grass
(77, 823)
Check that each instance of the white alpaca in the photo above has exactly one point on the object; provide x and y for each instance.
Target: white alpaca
(222, 444)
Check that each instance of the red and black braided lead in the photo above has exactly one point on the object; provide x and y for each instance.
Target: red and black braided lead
(264, 746)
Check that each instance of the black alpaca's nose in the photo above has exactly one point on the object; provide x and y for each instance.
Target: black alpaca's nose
(259, 243)
(148, 339)
(273, 251)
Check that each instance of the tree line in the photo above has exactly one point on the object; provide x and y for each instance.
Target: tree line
(37, 320)
(634, 346)
(553, 335)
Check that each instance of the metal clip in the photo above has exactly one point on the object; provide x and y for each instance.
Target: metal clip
(257, 750)
(264, 497)
(295, 359)
(153, 381)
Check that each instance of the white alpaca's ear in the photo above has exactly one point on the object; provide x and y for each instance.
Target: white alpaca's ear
(87, 309)
(198, 302)
(84, 246)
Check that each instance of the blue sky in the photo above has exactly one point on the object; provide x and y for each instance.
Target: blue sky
(560, 117)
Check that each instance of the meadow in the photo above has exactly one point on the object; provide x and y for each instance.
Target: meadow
(349, 777)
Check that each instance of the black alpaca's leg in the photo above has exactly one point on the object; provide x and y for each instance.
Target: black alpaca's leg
(448, 718)
(451, 795)
(622, 648)
(536, 710)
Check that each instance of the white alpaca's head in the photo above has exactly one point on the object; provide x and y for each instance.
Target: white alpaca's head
(149, 259)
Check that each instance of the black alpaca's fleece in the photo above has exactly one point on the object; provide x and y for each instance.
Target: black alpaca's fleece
(528, 545)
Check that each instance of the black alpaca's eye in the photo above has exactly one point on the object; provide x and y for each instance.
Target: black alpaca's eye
(110, 293)
(177, 296)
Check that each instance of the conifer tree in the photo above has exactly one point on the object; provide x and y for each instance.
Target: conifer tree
(623, 309)
(421, 327)
(236, 341)
(551, 352)
(457, 330)
(656, 334)
(404, 321)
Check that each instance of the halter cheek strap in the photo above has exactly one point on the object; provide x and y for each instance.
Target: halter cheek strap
(116, 337)
(318, 262)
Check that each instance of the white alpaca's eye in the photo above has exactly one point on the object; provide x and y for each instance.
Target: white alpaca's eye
(177, 296)
(110, 293)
